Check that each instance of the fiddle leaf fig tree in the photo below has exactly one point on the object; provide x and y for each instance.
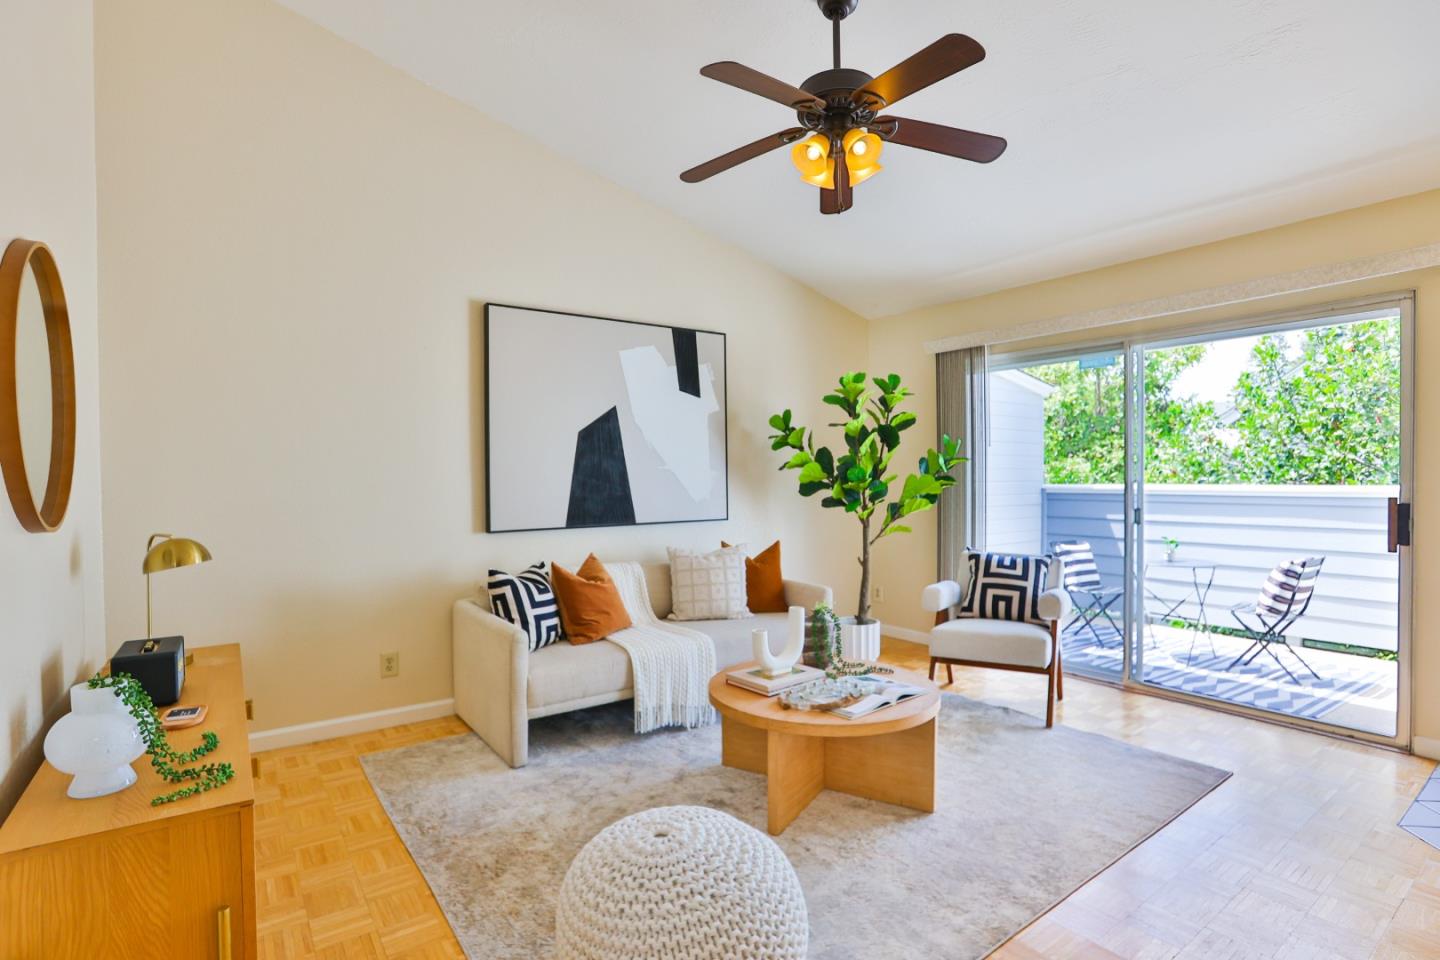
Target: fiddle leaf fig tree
(859, 480)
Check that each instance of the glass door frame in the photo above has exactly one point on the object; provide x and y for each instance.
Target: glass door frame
(1402, 304)
(1132, 350)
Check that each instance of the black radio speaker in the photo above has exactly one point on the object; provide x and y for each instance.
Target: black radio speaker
(158, 663)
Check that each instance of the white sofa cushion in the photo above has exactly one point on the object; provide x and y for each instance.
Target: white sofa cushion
(992, 641)
(563, 673)
(708, 586)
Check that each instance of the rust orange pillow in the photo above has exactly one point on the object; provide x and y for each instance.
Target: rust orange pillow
(764, 585)
(590, 606)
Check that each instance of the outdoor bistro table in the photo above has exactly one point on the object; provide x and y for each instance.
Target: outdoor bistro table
(1202, 578)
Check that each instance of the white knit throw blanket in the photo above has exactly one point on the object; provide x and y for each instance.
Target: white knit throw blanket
(672, 665)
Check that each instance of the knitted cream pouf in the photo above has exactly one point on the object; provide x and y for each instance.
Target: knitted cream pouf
(681, 883)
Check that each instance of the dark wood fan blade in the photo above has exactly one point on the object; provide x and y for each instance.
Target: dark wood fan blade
(839, 199)
(753, 81)
(965, 144)
(948, 55)
(740, 154)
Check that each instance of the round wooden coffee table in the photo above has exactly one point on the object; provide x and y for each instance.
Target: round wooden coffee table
(887, 756)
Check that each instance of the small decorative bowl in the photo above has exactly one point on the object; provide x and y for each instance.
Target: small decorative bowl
(825, 694)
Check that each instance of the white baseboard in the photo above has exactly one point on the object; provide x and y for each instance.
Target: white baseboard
(1427, 747)
(905, 633)
(344, 726)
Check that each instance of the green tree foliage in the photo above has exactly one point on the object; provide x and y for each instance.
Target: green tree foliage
(1327, 413)
(859, 479)
(1323, 408)
(1084, 423)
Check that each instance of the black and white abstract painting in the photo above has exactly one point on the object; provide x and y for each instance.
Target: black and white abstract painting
(592, 422)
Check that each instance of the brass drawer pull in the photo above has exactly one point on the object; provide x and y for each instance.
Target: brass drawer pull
(255, 768)
(249, 709)
(223, 932)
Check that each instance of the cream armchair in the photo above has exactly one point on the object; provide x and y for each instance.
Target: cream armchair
(999, 644)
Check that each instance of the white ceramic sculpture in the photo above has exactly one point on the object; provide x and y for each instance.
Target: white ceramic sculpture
(777, 666)
(681, 883)
(96, 742)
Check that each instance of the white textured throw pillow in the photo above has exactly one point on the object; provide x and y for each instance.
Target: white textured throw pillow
(708, 586)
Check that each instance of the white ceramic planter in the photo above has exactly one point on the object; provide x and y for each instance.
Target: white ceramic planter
(96, 741)
(859, 641)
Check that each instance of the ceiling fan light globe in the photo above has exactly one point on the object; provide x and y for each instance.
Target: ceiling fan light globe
(862, 154)
(858, 177)
(825, 179)
(810, 157)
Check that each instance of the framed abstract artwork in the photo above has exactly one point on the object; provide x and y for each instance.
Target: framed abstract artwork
(591, 422)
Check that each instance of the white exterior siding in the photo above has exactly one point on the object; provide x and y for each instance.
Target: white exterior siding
(1015, 467)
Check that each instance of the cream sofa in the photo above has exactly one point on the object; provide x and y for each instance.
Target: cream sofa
(500, 685)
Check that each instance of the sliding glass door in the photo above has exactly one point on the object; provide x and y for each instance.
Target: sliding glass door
(1055, 471)
(1231, 509)
(1268, 459)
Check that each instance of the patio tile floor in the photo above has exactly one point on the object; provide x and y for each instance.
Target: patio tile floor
(1354, 692)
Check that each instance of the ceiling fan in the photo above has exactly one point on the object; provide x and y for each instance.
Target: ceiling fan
(840, 110)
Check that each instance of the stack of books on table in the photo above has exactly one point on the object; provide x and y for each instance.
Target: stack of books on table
(755, 680)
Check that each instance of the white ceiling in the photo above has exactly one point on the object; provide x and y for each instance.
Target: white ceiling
(1135, 126)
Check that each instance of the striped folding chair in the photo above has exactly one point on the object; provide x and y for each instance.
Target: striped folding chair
(1081, 579)
(1283, 600)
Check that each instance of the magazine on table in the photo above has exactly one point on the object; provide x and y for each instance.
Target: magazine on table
(887, 692)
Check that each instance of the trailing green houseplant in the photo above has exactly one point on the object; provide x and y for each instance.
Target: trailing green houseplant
(172, 765)
(859, 480)
(825, 647)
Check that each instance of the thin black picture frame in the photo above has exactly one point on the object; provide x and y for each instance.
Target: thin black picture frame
(725, 416)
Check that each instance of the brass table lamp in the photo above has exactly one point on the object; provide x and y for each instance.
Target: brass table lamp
(169, 553)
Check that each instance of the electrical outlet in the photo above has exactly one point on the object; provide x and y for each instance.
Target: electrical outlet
(389, 665)
(879, 594)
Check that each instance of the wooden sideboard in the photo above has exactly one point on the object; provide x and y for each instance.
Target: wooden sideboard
(114, 877)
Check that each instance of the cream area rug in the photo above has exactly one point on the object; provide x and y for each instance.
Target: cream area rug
(1024, 816)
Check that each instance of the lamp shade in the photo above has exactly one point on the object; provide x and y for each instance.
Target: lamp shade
(811, 157)
(862, 154)
(174, 552)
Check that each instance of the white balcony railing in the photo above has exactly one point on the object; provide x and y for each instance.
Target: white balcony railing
(1243, 531)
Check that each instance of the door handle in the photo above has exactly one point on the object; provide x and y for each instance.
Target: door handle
(222, 934)
(1398, 526)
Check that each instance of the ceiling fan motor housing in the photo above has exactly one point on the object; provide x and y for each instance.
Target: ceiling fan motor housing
(841, 113)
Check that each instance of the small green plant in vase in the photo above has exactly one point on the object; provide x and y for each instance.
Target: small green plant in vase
(825, 647)
(1172, 547)
(860, 479)
(173, 766)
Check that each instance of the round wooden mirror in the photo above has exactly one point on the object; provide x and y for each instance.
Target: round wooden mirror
(37, 386)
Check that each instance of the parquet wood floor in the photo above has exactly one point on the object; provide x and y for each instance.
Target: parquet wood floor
(1296, 857)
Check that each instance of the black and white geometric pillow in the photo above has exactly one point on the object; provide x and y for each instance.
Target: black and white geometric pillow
(527, 600)
(1006, 586)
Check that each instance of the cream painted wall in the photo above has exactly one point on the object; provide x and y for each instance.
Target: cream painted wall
(896, 344)
(51, 591)
(295, 241)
